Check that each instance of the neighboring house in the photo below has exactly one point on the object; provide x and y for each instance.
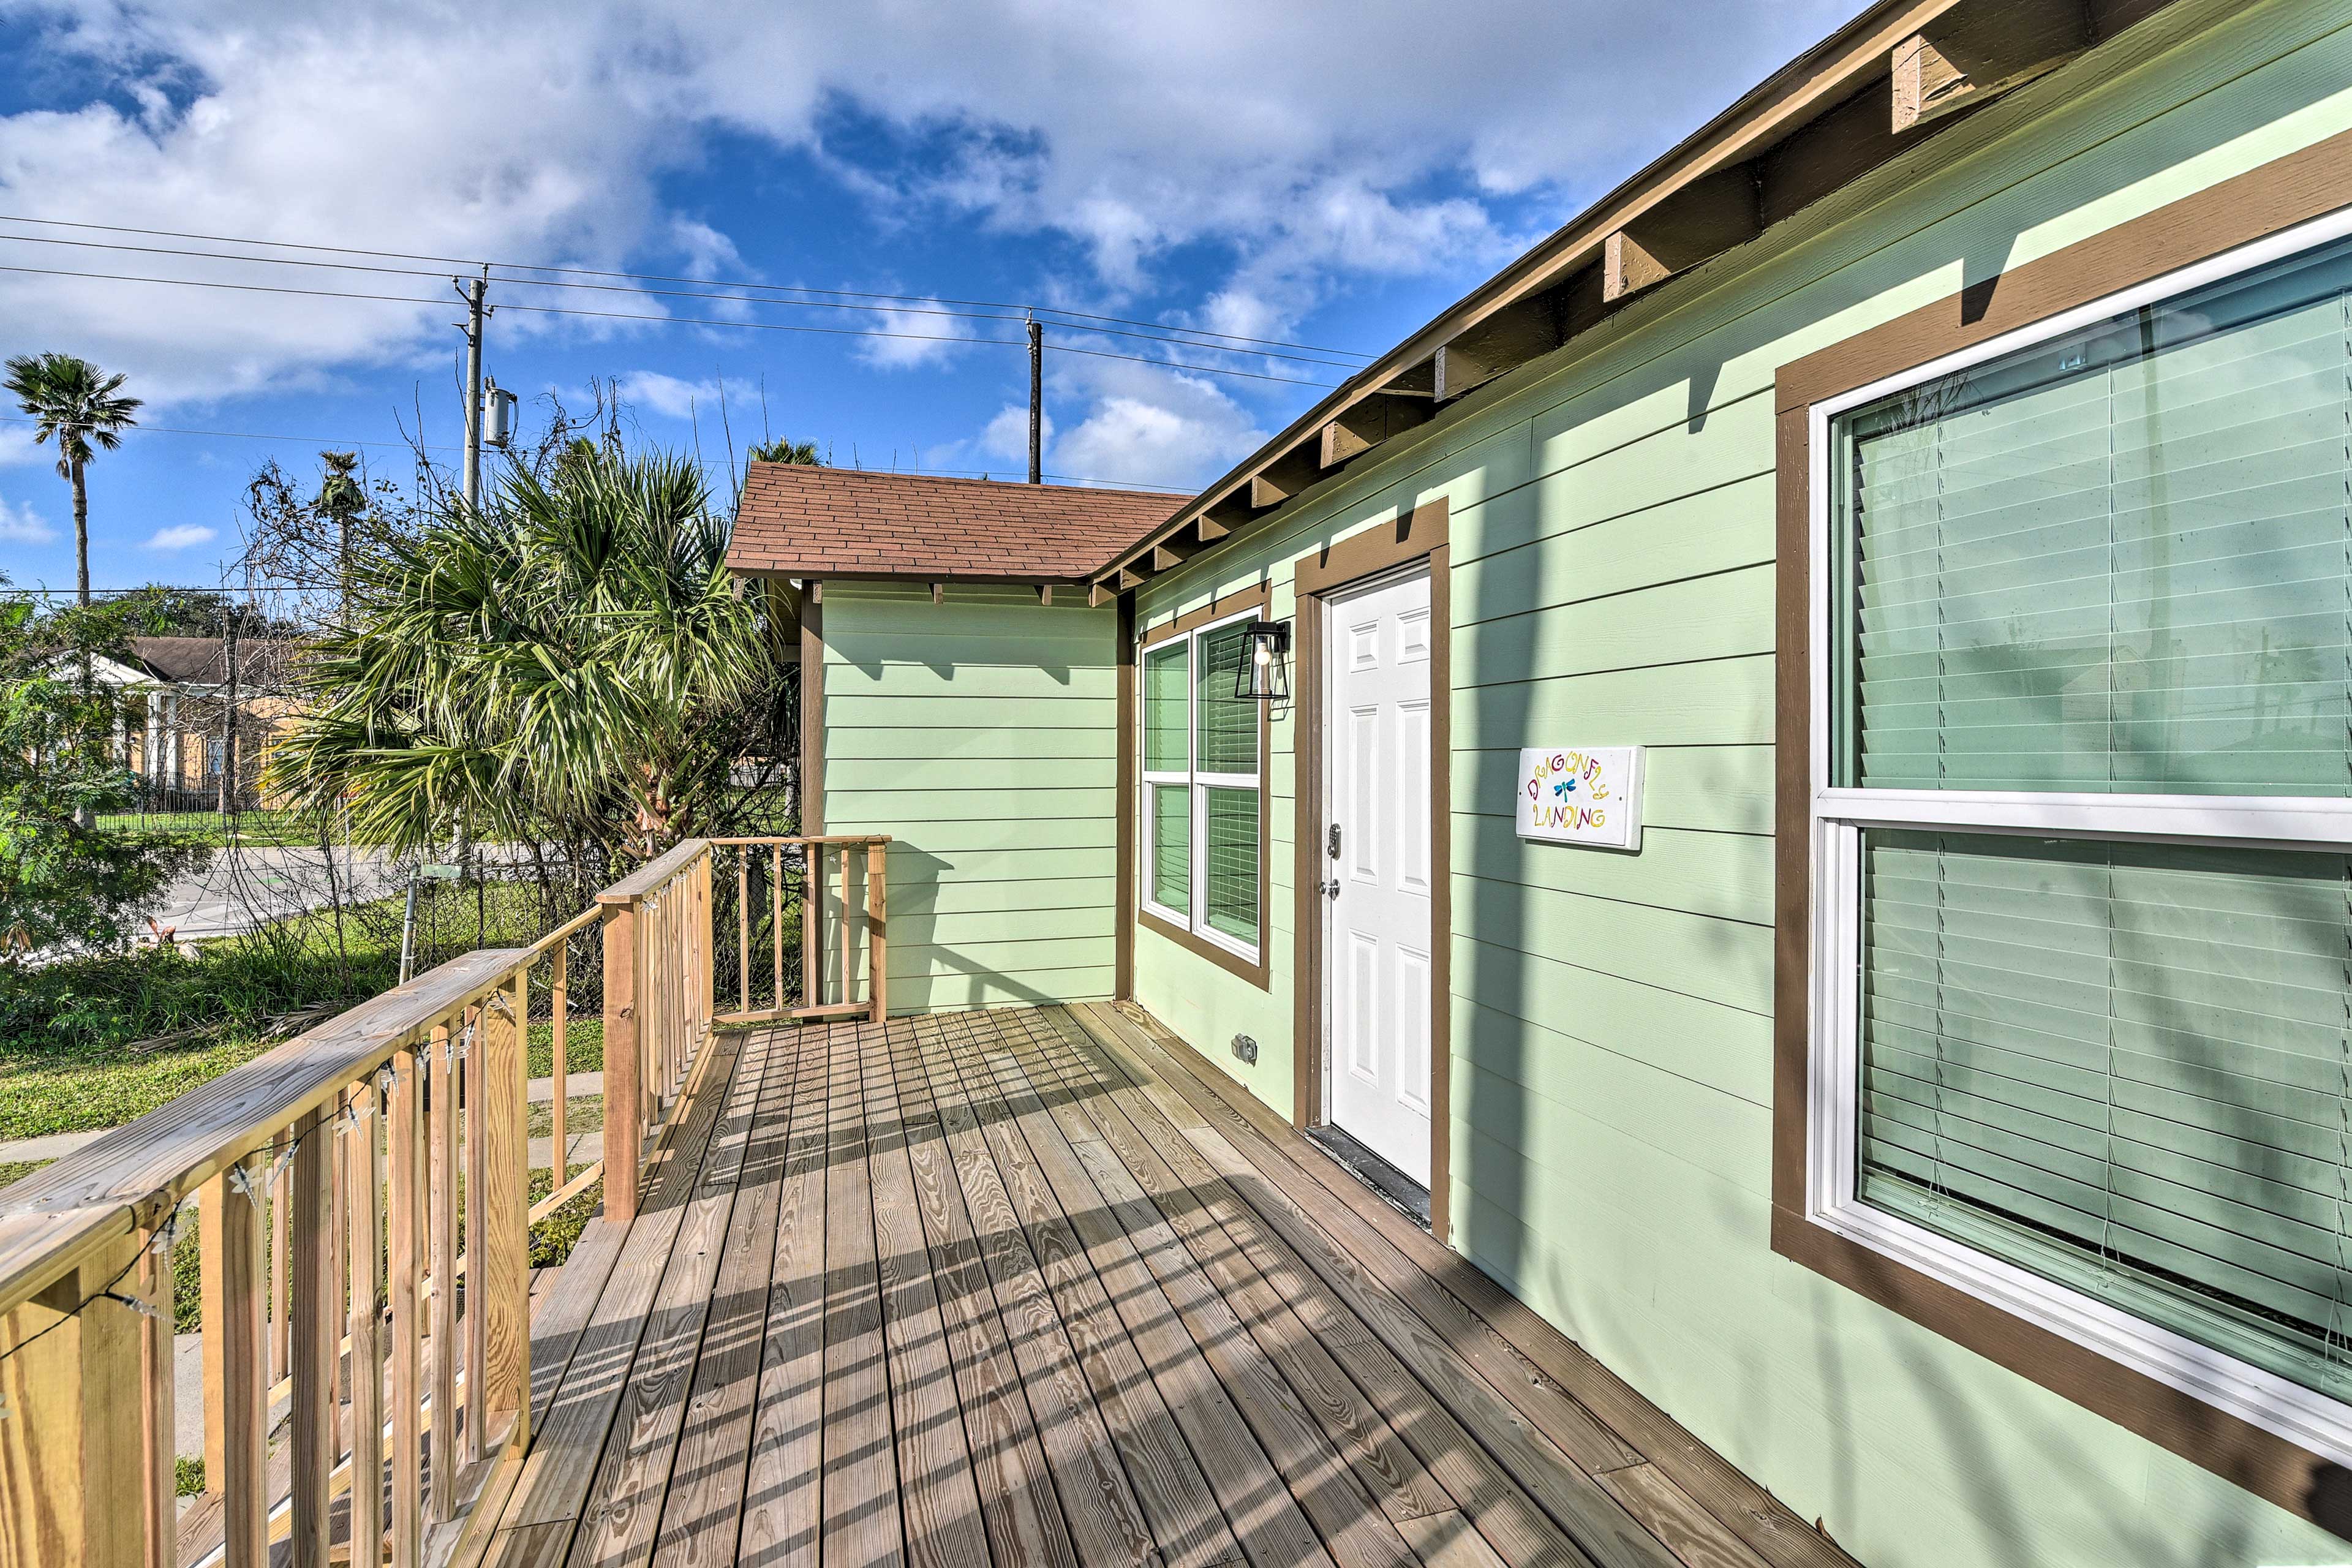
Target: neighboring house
(178, 688)
(1936, 466)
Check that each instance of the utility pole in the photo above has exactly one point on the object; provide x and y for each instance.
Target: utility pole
(474, 288)
(1036, 401)
(229, 802)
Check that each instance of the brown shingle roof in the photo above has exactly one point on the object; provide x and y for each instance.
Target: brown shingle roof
(200, 661)
(805, 521)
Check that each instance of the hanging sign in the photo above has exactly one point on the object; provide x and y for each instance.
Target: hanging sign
(1581, 795)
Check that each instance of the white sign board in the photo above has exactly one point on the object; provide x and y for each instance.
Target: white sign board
(1581, 795)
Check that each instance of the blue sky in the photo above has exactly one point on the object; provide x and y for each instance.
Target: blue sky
(1326, 175)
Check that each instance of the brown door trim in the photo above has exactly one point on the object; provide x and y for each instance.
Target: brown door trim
(1420, 534)
(1123, 836)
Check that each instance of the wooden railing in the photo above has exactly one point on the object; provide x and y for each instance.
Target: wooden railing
(364, 1199)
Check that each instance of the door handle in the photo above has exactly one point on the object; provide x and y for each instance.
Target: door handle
(1329, 889)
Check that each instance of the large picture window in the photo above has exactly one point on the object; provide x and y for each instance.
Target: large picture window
(2082, 766)
(1201, 782)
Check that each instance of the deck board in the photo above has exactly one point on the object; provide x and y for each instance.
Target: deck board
(1016, 1289)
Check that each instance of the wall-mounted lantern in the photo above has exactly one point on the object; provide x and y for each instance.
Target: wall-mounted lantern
(1266, 675)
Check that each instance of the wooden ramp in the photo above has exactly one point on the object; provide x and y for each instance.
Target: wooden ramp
(1023, 1287)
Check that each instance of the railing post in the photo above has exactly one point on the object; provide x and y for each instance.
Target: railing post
(76, 1433)
(624, 1123)
(878, 928)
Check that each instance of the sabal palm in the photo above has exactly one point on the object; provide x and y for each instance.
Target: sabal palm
(573, 662)
(83, 409)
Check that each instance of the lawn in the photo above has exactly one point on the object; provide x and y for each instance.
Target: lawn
(96, 1042)
(256, 828)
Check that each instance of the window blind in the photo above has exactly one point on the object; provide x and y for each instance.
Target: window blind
(1172, 847)
(1232, 871)
(1167, 707)
(2125, 1066)
(2120, 562)
(1227, 724)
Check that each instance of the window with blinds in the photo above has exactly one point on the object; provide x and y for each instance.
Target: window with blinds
(2126, 1066)
(2121, 561)
(1201, 773)
(2117, 563)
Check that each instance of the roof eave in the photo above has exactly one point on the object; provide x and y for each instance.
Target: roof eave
(1821, 84)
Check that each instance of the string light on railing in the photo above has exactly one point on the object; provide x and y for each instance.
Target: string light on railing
(161, 1237)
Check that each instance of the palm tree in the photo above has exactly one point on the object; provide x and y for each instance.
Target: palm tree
(785, 450)
(82, 406)
(574, 663)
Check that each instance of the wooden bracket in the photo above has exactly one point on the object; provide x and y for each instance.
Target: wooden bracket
(1697, 223)
(1098, 595)
(1361, 428)
(1974, 53)
(1045, 595)
(938, 593)
(1287, 476)
(1170, 553)
(1525, 329)
(1129, 578)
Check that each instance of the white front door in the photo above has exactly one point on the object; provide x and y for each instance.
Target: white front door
(1377, 918)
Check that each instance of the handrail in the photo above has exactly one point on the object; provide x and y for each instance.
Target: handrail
(348, 1144)
(131, 1178)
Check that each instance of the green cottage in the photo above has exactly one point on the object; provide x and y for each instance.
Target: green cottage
(1920, 502)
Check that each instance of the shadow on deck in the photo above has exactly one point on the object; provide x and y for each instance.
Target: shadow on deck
(1020, 1287)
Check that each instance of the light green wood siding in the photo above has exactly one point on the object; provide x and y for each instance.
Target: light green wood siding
(981, 734)
(1613, 543)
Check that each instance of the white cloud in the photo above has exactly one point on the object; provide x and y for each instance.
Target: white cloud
(20, 524)
(675, 398)
(181, 536)
(484, 130)
(1133, 426)
(923, 336)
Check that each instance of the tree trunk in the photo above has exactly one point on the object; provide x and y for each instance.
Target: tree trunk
(81, 534)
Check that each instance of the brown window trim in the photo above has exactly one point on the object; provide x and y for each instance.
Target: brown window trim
(1422, 534)
(2279, 196)
(1257, 974)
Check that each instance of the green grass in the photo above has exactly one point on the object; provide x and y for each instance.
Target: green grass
(97, 1042)
(189, 1476)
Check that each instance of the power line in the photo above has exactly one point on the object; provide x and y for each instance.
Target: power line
(337, 441)
(664, 278)
(1160, 336)
(675, 321)
(263, 436)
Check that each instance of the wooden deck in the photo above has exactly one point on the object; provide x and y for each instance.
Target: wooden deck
(1022, 1287)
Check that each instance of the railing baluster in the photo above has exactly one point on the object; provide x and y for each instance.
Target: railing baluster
(877, 928)
(559, 1003)
(743, 929)
(245, 1377)
(812, 927)
(499, 1283)
(211, 1304)
(159, 1384)
(282, 1322)
(441, 1143)
(317, 1301)
(623, 1030)
(403, 1135)
(476, 1208)
(365, 1208)
(776, 921)
(848, 945)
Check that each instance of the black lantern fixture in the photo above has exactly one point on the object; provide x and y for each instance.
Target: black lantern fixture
(1266, 674)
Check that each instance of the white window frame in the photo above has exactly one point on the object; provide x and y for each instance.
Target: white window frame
(1836, 819)
(1196, 918)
